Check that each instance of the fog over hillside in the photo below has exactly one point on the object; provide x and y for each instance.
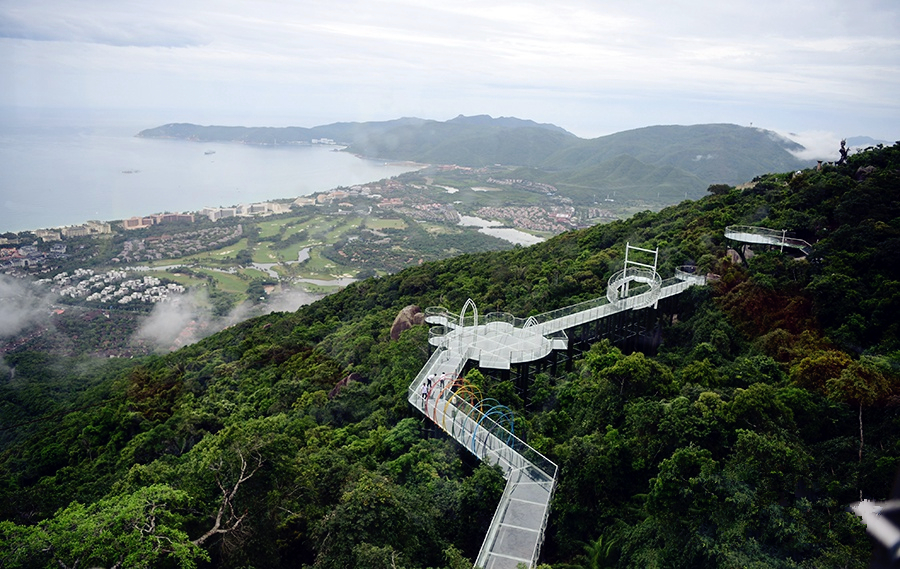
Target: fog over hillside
(21, 305)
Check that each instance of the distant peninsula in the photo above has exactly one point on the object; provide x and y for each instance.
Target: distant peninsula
(673, 159)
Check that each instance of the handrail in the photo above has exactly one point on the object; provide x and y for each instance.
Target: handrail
(618, 287)
(766, 236)
(460, 338)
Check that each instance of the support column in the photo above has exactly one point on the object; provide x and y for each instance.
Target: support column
(523, 375)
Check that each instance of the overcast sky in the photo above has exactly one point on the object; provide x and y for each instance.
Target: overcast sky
(590, 66)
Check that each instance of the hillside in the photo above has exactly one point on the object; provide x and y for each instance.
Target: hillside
(682, 160)
(765, 404)
(718, 153)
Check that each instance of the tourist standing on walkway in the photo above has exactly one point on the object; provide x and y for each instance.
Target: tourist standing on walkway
(424, 391)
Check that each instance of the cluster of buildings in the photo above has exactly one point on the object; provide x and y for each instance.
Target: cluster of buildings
(84, 230)
(111, 287)
(599, 213)
(150, 220)
(244, 210)
(434, 212)
(340, 194)
(211, 213)
(555, 219)
(177, 245)
(370, 191)
(26, 256)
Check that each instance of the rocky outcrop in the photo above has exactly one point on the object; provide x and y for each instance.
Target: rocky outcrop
(342, 384)
(864, 172)
(410, 316)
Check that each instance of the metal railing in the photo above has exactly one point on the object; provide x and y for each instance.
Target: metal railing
(507, 542)
(619, 286)
(526, 469)
(764, 235)
(478, 432)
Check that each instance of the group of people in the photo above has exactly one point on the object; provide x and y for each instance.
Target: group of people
(430, 380)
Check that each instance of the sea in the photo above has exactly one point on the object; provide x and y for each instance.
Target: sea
(65, 168)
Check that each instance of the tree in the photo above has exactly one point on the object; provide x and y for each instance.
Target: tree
(814, 370)
(636, 375)
(598, 553)
(862, 384)
(232, 519)
(718, 189)
(129, 530)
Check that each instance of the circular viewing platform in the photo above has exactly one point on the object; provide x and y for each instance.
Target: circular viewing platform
(620, 287)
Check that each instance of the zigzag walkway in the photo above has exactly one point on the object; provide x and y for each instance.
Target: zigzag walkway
(766, 236)
(517, 529)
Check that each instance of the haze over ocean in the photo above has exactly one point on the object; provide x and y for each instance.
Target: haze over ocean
(65, 168)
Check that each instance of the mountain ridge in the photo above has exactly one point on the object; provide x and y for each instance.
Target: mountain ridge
(701, 155)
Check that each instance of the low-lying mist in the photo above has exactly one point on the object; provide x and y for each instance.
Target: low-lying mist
(21, 305)
(189, 318)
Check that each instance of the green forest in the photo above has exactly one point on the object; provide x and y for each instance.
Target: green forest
(767, 406)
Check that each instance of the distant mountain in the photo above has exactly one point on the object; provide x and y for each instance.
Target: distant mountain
(863, 141)
(506, 122)
(626, 177)
(689, 158)
(342, 132)
(666, 163)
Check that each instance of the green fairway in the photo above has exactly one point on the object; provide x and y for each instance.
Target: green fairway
(378, 223)
(252, 273)
(227, 282)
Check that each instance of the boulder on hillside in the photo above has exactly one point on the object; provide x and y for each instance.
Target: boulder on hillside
(410, 316)
(343, 383)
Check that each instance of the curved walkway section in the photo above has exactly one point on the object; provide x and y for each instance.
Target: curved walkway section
(765, 236)
(619, 285)
(497, 341)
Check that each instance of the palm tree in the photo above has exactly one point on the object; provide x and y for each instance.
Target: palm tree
(598, 554)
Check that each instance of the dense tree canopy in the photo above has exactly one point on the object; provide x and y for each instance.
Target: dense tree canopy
(768, 407)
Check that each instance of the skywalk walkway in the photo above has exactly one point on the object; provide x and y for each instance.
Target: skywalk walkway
(499, 339)
(485, 427)
(766, 236)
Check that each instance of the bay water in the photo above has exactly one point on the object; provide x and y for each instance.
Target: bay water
(65, 170)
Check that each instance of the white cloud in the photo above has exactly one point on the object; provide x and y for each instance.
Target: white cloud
(21, 306)
(175, 323)
(385, 58)
(817, 145)
(113, 24)
(188, 318)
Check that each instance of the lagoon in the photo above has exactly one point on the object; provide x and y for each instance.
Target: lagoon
(496, 229)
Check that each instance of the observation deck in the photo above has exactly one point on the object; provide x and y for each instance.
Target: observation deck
(501, 340)
(766, 236)
(485, 427)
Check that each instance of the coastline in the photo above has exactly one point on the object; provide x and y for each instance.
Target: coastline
(54, 180)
